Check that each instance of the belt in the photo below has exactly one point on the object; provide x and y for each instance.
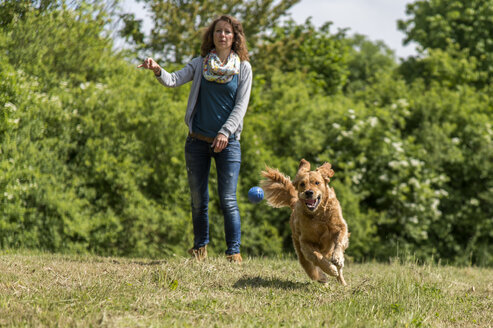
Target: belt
(201, 137)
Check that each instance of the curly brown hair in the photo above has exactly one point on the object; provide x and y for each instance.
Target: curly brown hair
(239, 41)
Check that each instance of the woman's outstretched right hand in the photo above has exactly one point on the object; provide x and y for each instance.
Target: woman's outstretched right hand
(151, 64)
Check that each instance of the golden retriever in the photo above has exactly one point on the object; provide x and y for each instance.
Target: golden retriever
(320, 233)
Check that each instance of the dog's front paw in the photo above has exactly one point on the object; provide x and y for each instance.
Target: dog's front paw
(338, 258)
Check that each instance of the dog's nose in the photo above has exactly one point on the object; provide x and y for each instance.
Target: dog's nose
(309, 193)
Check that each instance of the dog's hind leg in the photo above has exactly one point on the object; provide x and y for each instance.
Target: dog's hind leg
(340, 277)
(316, 258)
(311, 270)
(323, 278)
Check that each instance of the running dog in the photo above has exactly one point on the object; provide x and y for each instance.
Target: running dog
(320, 233)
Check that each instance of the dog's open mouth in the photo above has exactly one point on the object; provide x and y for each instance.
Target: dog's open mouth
(312, 204)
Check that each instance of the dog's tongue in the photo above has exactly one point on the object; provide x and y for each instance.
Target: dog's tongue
(310, 202)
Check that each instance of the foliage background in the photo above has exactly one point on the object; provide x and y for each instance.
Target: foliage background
(91, 148)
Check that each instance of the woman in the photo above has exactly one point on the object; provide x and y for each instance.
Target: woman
(218, 100)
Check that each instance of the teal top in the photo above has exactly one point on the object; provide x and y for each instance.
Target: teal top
(193, 72)
(215, 103)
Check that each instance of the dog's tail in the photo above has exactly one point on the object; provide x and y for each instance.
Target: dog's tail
(278, 188)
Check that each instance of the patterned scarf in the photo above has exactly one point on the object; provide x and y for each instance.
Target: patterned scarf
(215, 71)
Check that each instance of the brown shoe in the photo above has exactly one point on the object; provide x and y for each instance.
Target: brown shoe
(199, 254)
(235, 258)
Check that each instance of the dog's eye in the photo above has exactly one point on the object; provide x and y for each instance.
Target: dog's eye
(302, 185)
(317, 183)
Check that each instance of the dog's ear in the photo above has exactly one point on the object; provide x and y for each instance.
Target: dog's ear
(304, 166)
(326, 171)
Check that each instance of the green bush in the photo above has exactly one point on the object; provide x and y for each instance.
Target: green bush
(92, 149)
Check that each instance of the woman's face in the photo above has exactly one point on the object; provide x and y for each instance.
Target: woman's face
(223, 36)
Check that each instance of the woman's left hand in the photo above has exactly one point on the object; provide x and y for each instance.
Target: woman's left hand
(220, 142)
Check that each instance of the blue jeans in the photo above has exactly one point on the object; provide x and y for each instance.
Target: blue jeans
(198, 155)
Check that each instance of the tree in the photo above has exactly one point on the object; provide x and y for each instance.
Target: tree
(366, 60)
(316, 52)
(83, 160)
(177, 33)
(450, 68)
(451, 24)
(91, 156)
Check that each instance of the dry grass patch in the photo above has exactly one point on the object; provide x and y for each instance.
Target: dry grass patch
(46, 290)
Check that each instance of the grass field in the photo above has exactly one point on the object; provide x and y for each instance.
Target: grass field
(44, 290)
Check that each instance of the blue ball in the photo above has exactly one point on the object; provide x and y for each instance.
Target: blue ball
(255, 194)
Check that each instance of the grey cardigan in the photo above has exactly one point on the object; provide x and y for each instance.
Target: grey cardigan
(193, 72)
